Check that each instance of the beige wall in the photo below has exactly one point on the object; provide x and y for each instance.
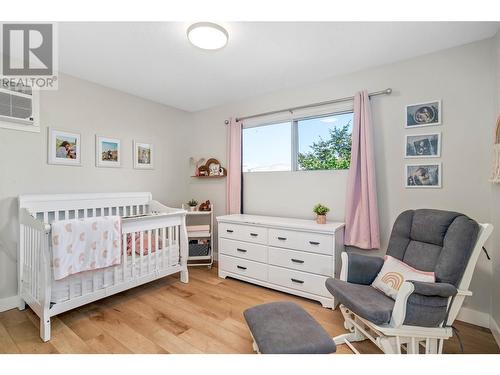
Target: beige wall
(495, 211)
(89, 109)
(461, 77)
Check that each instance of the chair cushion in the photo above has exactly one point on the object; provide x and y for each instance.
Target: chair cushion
(434, 240)
(286, 328)
(363, 300)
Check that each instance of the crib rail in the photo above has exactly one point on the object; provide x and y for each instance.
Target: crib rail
(153, 246)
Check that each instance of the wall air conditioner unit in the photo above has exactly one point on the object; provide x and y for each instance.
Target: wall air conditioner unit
(19, 107)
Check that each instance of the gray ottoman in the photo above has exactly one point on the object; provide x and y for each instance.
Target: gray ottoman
(286, 328)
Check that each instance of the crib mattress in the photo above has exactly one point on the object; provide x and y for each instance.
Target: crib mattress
(86, 282)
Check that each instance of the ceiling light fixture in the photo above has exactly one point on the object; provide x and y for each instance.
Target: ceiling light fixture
(207, 35)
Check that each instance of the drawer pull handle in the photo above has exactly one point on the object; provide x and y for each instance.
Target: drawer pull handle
(282, 238)
(241, 250)
(297, 261)
(253, 234)
(241, 267)
(297, 281)
(314, 243)
(229, 230)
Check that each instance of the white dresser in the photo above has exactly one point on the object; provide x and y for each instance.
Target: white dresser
(291, 255)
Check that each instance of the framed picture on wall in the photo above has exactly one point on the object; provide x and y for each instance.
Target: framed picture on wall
(64, 148)
(108, 152)
(423, 145)
(143, 155)
(423, 114)
(423, 175)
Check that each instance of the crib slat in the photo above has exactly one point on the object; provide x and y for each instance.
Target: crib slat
(178, 245)
(133, 254)
(170, 244)
(163, 245)
(124, 254)
(33, 262)
(150, 250)
(141, 254)
(157, 246)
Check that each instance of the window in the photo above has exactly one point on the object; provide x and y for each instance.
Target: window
(313, 143)
(267, 148)
(324, 142)
(18, 107)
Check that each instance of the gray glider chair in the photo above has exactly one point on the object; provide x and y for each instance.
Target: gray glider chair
(420, 318)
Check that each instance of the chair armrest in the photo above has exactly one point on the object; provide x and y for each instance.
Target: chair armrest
(425, 289)
(360, 269)
(433, 289)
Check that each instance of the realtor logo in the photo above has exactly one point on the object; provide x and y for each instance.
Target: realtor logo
(28, 53)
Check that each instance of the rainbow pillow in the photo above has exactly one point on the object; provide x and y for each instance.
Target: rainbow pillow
(394, 273)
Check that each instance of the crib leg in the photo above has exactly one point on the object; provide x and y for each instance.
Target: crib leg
(45, 329)
(184, 276)
(22, 304)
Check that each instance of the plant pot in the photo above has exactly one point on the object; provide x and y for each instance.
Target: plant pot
(192, 208)
(321, 219)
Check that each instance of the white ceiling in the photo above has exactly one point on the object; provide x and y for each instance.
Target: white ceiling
(156, 61)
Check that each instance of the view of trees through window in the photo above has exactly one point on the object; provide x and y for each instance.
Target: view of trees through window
(305, 144)
(325, 143)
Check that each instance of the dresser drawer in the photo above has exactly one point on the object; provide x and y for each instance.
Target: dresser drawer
(243, 250)
(243, 233)
(297, 280)
(302, 261)
(243, 267)
(312, 242)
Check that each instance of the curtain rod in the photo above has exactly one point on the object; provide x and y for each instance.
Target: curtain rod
(387, 91)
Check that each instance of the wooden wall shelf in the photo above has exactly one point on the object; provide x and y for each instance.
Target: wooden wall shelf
(208, 176)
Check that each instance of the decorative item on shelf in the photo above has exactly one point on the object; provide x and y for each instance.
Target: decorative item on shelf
(320, 212)
(192, 204)
(211, 168)
(205, 206)
(495, 173)
(197, 164)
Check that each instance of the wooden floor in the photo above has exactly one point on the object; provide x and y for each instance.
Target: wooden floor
(166, 316)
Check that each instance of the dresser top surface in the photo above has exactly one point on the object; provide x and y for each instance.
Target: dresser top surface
(282, 222)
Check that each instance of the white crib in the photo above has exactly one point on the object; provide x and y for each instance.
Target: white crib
(141, 216)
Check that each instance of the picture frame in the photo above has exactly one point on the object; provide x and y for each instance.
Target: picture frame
(108, 152)
(426, 145)
(63, 147)
(423, 114)
(423, 176)
(143, 155)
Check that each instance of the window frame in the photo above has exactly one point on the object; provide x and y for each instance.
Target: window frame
(294, 133)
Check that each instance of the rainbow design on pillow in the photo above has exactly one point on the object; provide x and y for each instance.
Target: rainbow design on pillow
(393, 274)
(393, 279)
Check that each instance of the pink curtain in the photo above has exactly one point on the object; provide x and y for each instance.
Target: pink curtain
(233, 182)
(362, 227)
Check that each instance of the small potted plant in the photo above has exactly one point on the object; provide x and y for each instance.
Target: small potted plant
(320, 212)
(192, 204)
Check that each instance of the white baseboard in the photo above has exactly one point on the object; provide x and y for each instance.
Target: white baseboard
(9, 303)
(475, 317)
(495, 329)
